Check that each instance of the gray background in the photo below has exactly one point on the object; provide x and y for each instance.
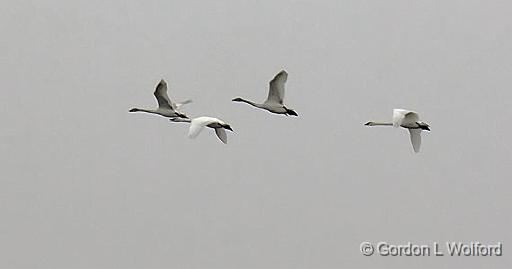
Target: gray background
(84, 184)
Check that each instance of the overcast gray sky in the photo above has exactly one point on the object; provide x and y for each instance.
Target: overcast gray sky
(85, 184)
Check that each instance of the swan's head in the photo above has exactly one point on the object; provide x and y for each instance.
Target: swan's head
(238, 99)
(133, 110)
(423, 125)
(227, 127)
(370, 123)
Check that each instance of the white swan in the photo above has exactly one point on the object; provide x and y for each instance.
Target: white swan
(165, 108)
(198, 124)
(406, 119)
(274, 102)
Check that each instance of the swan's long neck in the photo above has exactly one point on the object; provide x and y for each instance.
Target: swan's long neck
(249, 102)
(143, 110)
(373, 123)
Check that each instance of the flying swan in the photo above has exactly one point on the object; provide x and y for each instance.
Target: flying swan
(274, 102)
(198, 124)
(165, 108)
(409, 120)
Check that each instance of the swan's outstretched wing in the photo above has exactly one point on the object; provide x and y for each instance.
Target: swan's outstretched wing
(398, 115)
(161, 96)
(276, 88)
(179, 105)
(411, 117)
(196, 126)
(415, 139)
(403, 116)
(221, 134)
(194, 130)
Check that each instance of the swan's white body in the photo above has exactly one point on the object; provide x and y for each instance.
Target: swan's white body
(406, 119)
(198, 124)
(274, 102)
(165, 108)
